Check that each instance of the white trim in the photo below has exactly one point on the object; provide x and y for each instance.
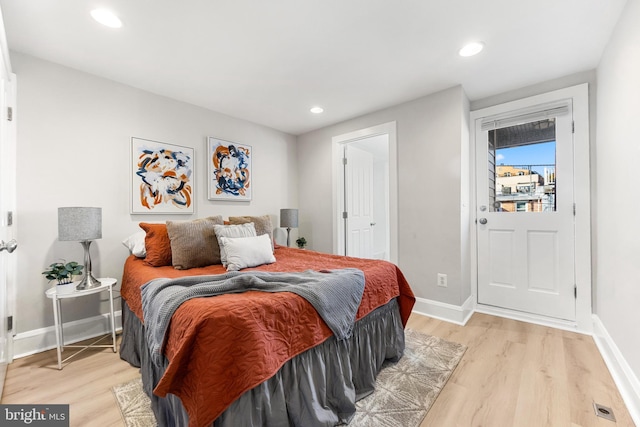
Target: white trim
(389, 129)
(624, 377)
(512, 118)
(532, 318)
(4, 51)
(38, 340)
(582, 195)
(459, 315)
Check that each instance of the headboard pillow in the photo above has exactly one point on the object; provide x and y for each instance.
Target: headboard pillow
(135, 244)
(194, 243)
(234, 231)
(243, 252)
(157, 244)
(262, 224)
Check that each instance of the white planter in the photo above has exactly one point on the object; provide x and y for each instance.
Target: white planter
(68, 288)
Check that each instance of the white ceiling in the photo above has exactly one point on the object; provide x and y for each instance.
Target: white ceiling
(270, 61)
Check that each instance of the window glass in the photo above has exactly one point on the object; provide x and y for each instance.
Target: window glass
(522, 167)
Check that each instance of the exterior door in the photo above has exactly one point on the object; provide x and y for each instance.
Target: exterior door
(525, 211)
(359, 202)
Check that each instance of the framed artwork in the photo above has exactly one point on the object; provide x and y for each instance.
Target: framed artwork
(229, 170)
(162, 178)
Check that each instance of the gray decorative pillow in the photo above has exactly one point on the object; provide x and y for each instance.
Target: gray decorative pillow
(194, 243)
(262, 224)
(236, 231)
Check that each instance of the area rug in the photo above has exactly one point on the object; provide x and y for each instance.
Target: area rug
(135, 406)
(404, 391)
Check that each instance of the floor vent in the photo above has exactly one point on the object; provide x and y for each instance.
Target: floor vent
(604, 412)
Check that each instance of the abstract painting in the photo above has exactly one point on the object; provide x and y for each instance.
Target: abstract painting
(161, 178)
(229, 170)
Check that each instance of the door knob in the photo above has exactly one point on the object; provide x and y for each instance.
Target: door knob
(483, 221)
(10, 246)
(372, 224)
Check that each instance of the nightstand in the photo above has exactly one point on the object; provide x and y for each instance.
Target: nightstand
(107, 285)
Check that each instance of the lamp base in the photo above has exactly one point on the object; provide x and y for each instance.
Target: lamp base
(88, 282)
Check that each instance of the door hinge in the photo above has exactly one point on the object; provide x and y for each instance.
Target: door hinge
(344, 215)
(344, 160)
(9, 219)
(9, 113)
(573, 127)
(9, 323)
(575, 291)
(574, 209)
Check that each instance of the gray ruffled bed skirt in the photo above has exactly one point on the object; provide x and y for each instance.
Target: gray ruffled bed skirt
(316, 388)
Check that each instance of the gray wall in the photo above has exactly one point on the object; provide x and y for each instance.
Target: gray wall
(74, 132)
(618, 158)
(432, 135)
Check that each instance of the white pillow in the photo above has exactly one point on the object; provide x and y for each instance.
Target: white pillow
(240, 230)
(135, 244)
(243, 252)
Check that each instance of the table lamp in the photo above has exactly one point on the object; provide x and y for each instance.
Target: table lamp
(288, 220)
(83, 225)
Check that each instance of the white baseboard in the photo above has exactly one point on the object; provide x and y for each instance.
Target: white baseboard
(443, 311)
(624, 377)
(38, 340)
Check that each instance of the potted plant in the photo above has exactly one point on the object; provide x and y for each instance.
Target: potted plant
(63, 274)
(301, 242)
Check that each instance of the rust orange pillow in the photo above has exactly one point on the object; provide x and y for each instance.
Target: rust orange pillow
(157, 244)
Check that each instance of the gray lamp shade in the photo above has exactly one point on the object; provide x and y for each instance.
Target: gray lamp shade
(289, 218)
(79, 224)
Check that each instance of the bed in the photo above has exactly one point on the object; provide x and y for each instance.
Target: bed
(264, 358)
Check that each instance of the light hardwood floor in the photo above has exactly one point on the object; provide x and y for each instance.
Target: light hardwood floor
(519, 374)
(512, 374)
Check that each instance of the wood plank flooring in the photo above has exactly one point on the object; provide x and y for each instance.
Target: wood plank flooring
(513, 374)
(524, 375)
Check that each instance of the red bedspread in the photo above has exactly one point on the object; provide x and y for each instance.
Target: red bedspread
(220, 347)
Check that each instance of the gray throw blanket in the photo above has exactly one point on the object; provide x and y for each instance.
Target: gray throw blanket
(335, 295)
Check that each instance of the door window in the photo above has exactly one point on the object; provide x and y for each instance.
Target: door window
(522, 167)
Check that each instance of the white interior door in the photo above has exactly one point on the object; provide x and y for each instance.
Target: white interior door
(7, 204)
(381, 142)
(525, 211)
(7, 237)
(359, 202)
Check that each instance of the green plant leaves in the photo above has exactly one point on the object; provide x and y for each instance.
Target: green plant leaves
(62, 272)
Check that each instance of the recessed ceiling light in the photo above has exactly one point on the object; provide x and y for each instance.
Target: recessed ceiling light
(316, 110)
(106, 17)
(471, 49)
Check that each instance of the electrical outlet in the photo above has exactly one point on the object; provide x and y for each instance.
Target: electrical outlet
(442, 280)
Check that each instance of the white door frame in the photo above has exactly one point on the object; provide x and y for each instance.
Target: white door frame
(338, 183)
(582, 195)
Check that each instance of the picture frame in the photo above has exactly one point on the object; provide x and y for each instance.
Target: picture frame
(229, 170)
(162, 178)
